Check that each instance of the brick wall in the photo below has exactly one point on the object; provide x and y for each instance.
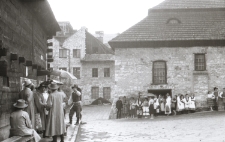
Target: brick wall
(133, 70)
(21, 34)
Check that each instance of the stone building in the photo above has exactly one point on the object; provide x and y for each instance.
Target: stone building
(177, 48)
(87, 58)
(24, 29)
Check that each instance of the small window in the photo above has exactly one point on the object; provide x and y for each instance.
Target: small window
(65, 69)
(76, 53)
(94, 72)
(106, 92)
(94, 92)
(106, 72)
(159, 72)
(76, 72)
(173, 21)
(62, 53)
(200, 64)
(5, 81)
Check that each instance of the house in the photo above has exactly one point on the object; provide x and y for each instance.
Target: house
(88, 59)
(177, 48)
(25, 27)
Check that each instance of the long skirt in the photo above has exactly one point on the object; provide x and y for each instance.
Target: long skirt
(162, 107)
(168, 109)
(151, 109)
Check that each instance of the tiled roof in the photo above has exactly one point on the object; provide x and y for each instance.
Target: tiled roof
(94, 46)
(204, 24)
(181, 4)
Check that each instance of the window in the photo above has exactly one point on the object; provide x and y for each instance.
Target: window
(94, 72)
(62, 53)
(76, 53)
(106, 92)
(65, 69)
(200, 64)
(173, 21)
(76, 72)
(159, 72)
(5, 81)
(94, 92)
(106, 72)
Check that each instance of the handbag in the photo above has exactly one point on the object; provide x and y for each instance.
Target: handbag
(38, 121)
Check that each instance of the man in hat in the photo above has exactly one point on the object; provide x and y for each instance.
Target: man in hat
(27, 95)
(55, 121)
(75, 100)
(20, 121)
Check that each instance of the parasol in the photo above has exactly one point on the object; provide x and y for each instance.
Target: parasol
(62, 73)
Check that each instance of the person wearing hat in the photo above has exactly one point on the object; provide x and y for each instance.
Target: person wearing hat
(20, 121)
(75, 100)
(27, 95)
(41, 104)
(55, 121)
(215, 100)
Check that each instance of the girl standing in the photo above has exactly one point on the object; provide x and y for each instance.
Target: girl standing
(125, 108)
(174, 104)
(145, 107)
(210, 98)
(156, 106)
(192, 103)
(181, 103)
(186, 103)
(162, 104)
(151, 108)
(168, 104)
(132, 107)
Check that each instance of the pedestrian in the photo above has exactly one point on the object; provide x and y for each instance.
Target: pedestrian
(55, 122)
(20, 122)
(162, 104)
(151, 108)
(125, 107)
(139, 106)
(210, 98)
(168, 104)
(132, 107)
(41, 104)
(119, 106)
(215, 100)
(192, 105)
(156, 107)
(27, 95)
(75, 100)
(186, 103)
(174, 105)
(222, 96)
(145, 107)
(180, 103)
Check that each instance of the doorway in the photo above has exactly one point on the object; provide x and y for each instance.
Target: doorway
(163, 92)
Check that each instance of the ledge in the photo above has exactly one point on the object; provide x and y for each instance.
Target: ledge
(200, 72)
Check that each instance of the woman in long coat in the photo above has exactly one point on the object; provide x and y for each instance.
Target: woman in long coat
(27, 95)
(55, 122)
(41, 104)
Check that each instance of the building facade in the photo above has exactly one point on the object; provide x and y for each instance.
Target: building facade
(24, 30)
(177, 48)
(84, 56)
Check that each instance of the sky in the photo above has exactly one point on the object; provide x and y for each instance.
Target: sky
(110, 16)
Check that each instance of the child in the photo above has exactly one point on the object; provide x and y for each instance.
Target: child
(156, 106)
(145, 107)
(132, 107)
(210, 98)
(151, 108)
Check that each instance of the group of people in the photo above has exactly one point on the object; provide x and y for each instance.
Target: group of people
(155, 105)
(216, 99)
(47, 102)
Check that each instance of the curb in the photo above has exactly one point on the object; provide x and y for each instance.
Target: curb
(72, 131)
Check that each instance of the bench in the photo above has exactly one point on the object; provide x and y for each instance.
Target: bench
(19, 139)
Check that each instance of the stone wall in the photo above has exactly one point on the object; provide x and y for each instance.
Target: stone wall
(87, 81)
(21, 34)
(133, 70)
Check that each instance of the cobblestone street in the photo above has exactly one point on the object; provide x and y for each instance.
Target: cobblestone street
(204, 127)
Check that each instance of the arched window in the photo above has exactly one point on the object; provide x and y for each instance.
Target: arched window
(159, 72)
(173, 21)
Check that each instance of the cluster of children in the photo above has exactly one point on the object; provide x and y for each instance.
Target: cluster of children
(216, 99)
(155, 105)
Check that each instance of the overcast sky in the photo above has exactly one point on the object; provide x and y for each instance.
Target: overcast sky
(110, 16)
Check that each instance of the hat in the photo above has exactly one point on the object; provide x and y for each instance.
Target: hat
(27, 82)
(215, 88)
(74, 86)
(53, 86)
(20, 104)
(42, 85)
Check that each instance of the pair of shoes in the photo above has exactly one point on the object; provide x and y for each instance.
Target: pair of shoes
(83, 122)
(76, 123)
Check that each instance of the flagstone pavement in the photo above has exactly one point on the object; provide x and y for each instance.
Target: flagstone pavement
(195, 127)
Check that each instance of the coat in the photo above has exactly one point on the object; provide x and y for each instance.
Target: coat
(21, 125)
(119, 104)
(40, 105)
(28, 96)
(55, 120)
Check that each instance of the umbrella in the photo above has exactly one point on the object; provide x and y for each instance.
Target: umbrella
(62, 73)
